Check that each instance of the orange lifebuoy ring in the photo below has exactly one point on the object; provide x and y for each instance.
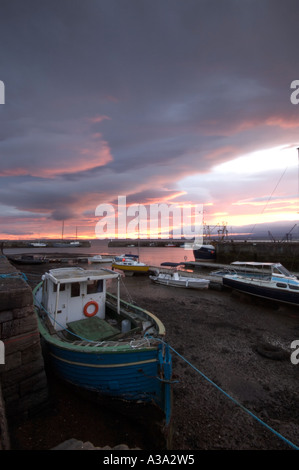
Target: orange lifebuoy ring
(96, 308)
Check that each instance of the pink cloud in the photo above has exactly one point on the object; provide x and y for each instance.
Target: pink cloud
(283, 122)
(98, 118)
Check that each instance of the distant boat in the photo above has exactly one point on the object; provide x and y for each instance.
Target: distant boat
(268, 280)
(37, 244)
(27, 259)
(100, 259)
(100, 343)
(204, 252)
(222, 272)
(177, 280)
(129, 255)
(130, 265)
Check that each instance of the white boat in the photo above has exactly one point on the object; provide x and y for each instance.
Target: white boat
(268, 280)
(177, 280)
(128, 255)
(100, 259)
(38, 244)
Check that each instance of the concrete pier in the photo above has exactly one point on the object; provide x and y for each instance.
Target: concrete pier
(23, 383)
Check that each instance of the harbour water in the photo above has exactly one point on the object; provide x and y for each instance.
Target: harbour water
(150, 255)
(285, 253)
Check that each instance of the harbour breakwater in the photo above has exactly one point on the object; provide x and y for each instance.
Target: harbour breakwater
(23, 383)
(286, 253)
(44, 243)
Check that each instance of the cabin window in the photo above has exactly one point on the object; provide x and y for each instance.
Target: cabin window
(62, 287)
(292, 286)
(75, 289)
(281, 284)
(95, 286)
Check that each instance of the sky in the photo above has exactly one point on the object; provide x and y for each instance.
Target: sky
(185, 102)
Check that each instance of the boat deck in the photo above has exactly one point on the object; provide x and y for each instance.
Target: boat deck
(95, 329)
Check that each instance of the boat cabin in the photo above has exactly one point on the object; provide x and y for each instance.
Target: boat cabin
(73, 294)
(273, 270)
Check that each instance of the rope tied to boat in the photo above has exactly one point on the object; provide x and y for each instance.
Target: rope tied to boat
(138, 343)
(230, 397)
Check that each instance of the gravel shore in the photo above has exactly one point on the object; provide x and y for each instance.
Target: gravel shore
(228, 350)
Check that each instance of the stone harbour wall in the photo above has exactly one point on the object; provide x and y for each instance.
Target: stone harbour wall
(23, 383)
(282, 252)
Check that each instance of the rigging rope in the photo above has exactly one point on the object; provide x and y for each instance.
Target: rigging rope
(233, 399)
(13, 276)
(148, 336)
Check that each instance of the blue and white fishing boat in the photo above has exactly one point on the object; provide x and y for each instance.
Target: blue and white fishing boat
(101, 343)
(268, 280)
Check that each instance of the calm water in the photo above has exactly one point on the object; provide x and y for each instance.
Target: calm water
(150, 255)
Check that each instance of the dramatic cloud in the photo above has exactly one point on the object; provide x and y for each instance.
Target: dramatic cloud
(148, 100)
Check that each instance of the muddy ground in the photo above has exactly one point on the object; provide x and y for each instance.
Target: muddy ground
(228, 350)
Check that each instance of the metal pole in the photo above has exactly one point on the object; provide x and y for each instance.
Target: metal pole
(56, 306)
(118, 294)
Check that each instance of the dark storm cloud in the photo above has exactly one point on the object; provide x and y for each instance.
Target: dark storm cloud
(127, 97)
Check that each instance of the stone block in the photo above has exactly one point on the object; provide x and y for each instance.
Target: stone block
(22, 342)
(6, 315)
(31, 353)
(19, 326)
(12, 361)
(21, 373)
(23, 378)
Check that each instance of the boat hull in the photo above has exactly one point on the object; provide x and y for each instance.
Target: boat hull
(204, 253)
(27, 260)
(133, 371)
(129, 376)
(131, 268)
(263, 290)
(191, 284)
(101, 260)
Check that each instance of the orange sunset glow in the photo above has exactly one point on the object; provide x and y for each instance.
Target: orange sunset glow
(153, 108)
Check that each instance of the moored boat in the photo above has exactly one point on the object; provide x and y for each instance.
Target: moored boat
(75, 243)
(204, 252)
(27, 259)
(101, 343)
(37, 244)
(177, 280)
(268, 280)
(100, 259)
(130, 265)
(126, 255)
